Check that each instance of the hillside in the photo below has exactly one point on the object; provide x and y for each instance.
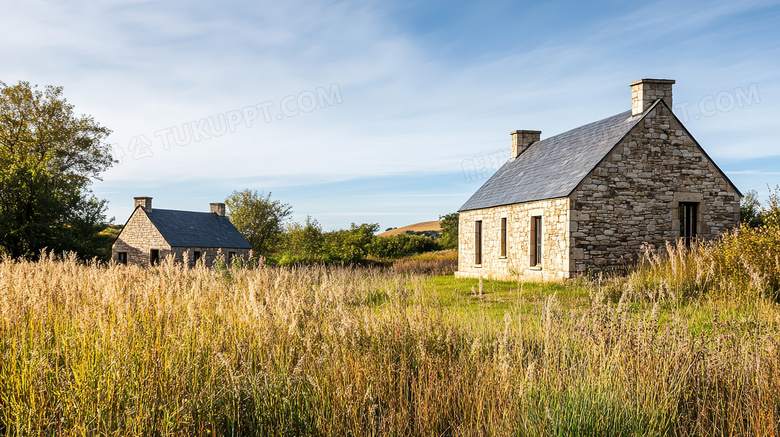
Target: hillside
(417, 227)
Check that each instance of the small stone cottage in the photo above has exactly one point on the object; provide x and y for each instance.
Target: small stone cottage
(150, 235)
(597, 196)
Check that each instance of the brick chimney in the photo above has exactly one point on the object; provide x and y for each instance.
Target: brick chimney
(645, 92)
(521, 139)
(144, 202)
(218, 209)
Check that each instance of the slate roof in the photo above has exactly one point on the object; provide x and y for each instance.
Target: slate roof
(552, 167)
(196, 229)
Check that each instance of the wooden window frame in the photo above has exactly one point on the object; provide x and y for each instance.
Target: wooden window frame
(502, 247)
(537, 237)
(478, 242)
(688, 214)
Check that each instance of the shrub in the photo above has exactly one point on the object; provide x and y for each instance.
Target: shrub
(396, 246)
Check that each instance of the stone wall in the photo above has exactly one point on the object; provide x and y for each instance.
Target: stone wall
(630, 201)
(555, 249)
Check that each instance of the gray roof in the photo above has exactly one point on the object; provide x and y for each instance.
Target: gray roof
(552, 167)
(196, 229)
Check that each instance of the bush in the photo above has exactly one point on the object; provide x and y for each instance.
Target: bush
(396, 246)
(307, 244)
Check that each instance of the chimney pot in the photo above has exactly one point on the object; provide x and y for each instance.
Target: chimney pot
(645, 92)
(143, 202)
(218, 209)
(521, 139)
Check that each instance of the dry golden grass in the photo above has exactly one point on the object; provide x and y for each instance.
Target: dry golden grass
(91, 350)
(442, 262)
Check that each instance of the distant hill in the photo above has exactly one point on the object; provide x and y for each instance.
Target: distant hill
(417, 227)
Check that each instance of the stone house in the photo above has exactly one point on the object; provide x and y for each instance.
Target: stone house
(597, 196)
(151, 235)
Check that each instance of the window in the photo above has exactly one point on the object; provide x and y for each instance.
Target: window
(478, 242)
(195, 256)
(502, 249)
(688, 215)
(121, 258)
(536, 241)
(154, 257)
(231, 256)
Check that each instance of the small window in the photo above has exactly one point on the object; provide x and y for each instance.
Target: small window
(502, 249)
(688, 217)
(121, 258)
(536, 241)
(231, 256)
(195, 256)
(154, 257)
(478, 242)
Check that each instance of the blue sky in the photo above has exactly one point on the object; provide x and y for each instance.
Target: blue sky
(390, 112)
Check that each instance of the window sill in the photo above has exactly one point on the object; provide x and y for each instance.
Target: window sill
(477, 266)
(535, 268)
(502, 257)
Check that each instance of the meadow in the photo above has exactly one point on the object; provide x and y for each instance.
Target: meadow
(688, 343)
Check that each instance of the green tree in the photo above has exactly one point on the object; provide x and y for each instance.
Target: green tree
(449, 231)
(258, 218)
(349, 245)
(303, 243)
(48, 159)
(750, 209)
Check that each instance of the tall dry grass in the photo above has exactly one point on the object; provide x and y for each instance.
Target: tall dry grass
(743, 264)
(90, 350)
(442, 262)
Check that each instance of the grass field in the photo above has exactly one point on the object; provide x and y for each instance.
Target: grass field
(682, 346)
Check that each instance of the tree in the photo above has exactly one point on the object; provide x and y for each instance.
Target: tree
(303, 242)
(753, 214)
(750, 209)
(449, 231)
(48, 159)
(259, 219)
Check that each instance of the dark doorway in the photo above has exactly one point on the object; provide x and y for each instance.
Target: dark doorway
(154, 257)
